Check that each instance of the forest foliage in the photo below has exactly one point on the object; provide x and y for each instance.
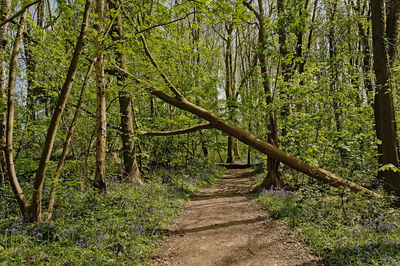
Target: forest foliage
(89, 90)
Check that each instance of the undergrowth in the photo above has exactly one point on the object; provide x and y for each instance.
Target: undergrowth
(342, 228)
(120, 228)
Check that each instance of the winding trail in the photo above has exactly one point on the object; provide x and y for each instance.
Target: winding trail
(223, 225)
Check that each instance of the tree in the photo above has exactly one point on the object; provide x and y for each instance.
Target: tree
(32, 212)
(229, 84)
(101, 127)
(131, 169)
(264, 147)
(384, 42)
(12, 77)
(4, 13)
(273, 177)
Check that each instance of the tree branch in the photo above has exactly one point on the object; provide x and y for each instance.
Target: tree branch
(165, 23)
(179, 131)
(18, 13)
(252, 141)
(252, 9)
(155, 64)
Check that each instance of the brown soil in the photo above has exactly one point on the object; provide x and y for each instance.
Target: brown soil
(224, 225)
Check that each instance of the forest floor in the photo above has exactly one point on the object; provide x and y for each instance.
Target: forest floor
(224, 225)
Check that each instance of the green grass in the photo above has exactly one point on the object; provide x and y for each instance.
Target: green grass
(122, 227)
(342, 228)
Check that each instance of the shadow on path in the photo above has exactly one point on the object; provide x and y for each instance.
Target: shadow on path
(224, 225)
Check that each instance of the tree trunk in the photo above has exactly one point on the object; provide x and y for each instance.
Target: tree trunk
(273, 177)
(236, 151)
(36, 206)
(229, 87)
(131, 170)
(385, 120)
(248, 147)
(5, 6)
(101, 126)
(266, 148)
(12, 77)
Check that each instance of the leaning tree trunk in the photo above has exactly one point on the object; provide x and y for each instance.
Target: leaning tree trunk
(256, 143)
(101, 126)
(280, 156)
(180, 102)
(385, 120)
(131, 170)
(36, 206)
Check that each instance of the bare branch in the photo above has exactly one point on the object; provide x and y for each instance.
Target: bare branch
(165, 23)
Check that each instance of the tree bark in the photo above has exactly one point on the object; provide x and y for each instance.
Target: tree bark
(273, 177)
(36, 206)
(101, 126)
(385, 120)
(131, 170)
(12, 77)
(5, 6)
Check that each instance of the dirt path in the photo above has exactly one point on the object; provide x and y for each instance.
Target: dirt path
(223, 225)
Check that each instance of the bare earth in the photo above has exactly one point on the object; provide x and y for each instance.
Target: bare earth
(223, 225)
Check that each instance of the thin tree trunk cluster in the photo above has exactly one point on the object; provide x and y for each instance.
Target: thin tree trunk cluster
(245, 72)
(32, 211)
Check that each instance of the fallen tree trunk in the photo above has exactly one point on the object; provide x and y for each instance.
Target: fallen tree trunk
(252, 141)
(260, 145)
(179, 131)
